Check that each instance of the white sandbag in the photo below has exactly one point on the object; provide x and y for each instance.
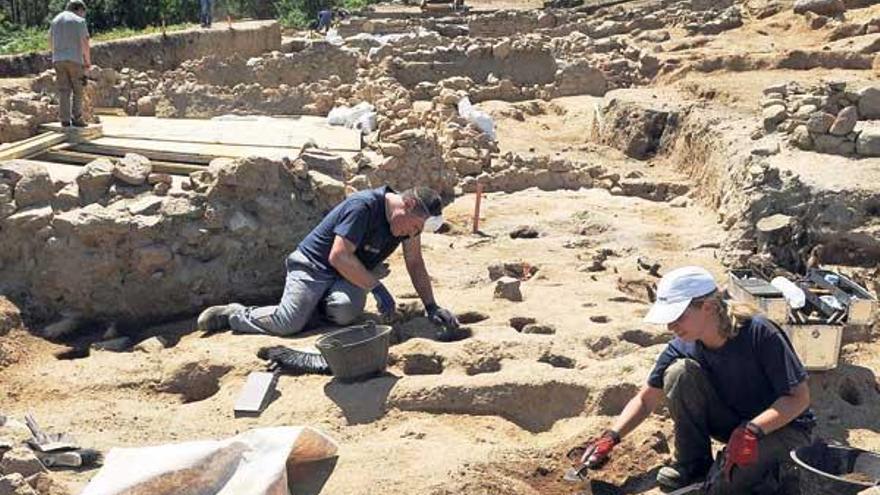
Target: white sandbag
(477, 117)
(333, 37)
(254, 462)
(361, 116)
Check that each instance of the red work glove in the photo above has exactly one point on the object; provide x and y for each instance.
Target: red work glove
(595, 452)
(742, 448)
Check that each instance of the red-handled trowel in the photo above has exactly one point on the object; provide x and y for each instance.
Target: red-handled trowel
(580, 460)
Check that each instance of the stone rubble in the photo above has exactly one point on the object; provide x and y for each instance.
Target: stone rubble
(827, 118)
(142, 256)
(130, 223)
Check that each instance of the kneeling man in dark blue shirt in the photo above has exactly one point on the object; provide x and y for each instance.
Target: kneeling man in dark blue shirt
(728, 374)
(330, 269)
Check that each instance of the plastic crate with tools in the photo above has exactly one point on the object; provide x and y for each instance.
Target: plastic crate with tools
(814, 310)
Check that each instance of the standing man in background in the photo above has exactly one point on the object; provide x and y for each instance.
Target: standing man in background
(207, 13)
(325, 18)
(71, 55)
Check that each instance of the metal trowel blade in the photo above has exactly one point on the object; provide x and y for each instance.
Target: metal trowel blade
(575, 475)
(693, 488)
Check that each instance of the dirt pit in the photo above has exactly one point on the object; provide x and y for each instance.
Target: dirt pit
(495, 411)
(485, 396)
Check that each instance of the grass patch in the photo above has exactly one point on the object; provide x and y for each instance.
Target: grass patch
(26, 40)
(23, 40)
(120, 33)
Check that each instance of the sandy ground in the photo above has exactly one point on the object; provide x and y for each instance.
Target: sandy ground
(497, 411)
(401, 420)
(506, 405)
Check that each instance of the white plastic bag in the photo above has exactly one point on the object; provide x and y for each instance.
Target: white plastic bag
(361, 116)
(477, 117)
(793, 294)
(333, 37)
(253, 462)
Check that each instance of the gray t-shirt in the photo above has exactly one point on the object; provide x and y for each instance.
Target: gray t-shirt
(68, 32)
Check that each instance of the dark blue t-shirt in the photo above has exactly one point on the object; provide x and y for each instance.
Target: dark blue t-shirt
(324, 17)
(749, 372)
(360, 218)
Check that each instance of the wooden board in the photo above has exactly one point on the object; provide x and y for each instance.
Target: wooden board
(256, 393)
(120, 151)
(197, 149)
(32, 146)
(75, 134)
(144, 146)
(266, 132)
(79, 158)
(119, 112)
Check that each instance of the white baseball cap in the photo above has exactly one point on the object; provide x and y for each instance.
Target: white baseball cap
(676, 290)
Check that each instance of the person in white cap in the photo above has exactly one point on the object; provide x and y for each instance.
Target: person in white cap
(729, 374)
(330, 272)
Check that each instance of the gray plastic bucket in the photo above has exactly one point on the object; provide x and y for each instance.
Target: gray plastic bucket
(831, 469)
(356, 352)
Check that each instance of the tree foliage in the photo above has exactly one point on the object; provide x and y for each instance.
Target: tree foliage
(28, 16)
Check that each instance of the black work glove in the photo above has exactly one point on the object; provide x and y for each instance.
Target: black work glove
(441, 317)
(384, 300)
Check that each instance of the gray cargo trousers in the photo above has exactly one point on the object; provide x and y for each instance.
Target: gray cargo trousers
(308, 293)
(699, 415)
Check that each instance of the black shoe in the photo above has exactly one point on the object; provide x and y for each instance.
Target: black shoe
(79, 123)
(65, 124)
(217, 317)
(680, 474)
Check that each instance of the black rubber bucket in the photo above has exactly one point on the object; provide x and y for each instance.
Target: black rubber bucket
(830, 469)
(356, 352)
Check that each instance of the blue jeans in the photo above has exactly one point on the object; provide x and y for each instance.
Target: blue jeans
(306, 290)
(206, 14)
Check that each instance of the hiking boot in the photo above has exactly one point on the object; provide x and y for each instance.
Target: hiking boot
(680, 474)
(79, 123)
(65, 123)
(217, 317)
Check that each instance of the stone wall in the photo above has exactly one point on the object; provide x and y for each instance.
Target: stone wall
(315, 62)
(523, 63)
(162, 52)
(120, 243)
(744, 184)
(508, 23)
(827, 118)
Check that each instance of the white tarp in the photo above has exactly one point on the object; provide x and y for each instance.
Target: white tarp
(254, 463)
(361, 116)
(476, 116)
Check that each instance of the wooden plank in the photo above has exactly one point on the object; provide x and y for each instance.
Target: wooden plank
(288, 132)
(119, 112)
(120, 151)
(32, 146)
(199, 149)
(256, 393)
(75, 134)
(22, 142)
(224, 150)
(78, 158)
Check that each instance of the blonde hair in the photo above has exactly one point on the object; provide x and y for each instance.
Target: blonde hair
(731, 314)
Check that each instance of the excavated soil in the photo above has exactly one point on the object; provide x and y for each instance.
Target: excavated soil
(483, 415)
(496, 410)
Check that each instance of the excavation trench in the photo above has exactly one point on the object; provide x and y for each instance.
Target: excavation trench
(747, 183)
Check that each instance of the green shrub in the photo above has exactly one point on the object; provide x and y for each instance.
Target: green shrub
(22, 40)
(298, 13)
